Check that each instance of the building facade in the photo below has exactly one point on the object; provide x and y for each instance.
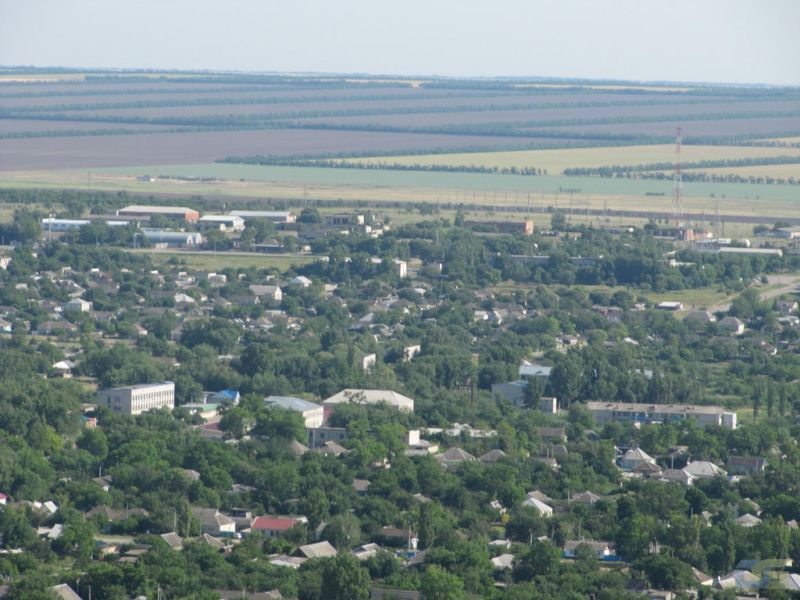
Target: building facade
(604, 412)
(136, 399)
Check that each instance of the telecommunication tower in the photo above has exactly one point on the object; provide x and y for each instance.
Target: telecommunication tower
(677, 184)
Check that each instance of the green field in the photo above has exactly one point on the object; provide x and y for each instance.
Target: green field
(555, 161)
(354, 185)
(213, 261)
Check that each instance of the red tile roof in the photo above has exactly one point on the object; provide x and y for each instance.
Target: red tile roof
(273, 523)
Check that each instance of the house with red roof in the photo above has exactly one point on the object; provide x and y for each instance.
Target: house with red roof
(272, 526)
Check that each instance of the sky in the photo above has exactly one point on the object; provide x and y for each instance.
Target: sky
(730, 41)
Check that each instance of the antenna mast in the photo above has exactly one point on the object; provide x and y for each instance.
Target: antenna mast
(677, 184)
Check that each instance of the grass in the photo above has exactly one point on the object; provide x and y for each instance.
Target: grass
(222, 260)
(556, 160)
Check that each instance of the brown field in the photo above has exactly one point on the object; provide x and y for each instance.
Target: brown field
(478, 116)
(199, 147)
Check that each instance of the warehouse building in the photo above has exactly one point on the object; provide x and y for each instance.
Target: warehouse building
(276, 216)
(173, 239)
(173, 212)
(225, 223)
(136, 399)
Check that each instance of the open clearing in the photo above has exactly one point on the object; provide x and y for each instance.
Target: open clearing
(223, 260)
(556, 160)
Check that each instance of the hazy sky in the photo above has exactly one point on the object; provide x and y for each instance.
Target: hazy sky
(748, 41)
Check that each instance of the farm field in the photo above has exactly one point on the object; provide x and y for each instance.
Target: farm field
(103, 131)
(556, 160)
(199, 147)
(355, 185)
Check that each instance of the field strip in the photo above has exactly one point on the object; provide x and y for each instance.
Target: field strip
(556, 160)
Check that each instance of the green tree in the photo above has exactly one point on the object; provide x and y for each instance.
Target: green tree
(343, 578)
(439, 584)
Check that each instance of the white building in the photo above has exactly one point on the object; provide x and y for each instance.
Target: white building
(313, 414)
(371, 397)
(732, 325)
(635, 457)
(276, 216)
(136, 399)
(173, 239)
(226, 223)
(270, 292)
(59, 225)
(301, 281)
(604, 412)
(78, 305)
(402, 268)
(543, 509)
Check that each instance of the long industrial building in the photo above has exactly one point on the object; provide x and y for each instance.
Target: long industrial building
(136, 399)
(173, 212)
(603, 412)
(276, 216)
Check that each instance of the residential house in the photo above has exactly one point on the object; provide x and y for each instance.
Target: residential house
(551, 435)
(731, 325)
(503, 562)
(746, 465)
(63, 368)
(173, 540)
(492, 456)
(63, 591)
(454, 457)
(703, 469)
(318, 550)
(417, 446)
(300, 281)
(586, 497)
(214, 522)
(274, 526)
(602, 550)
(748, 520)
(77, 305)
(267, 292)
(366, 551)
(633, 458)
(543, 509)
(677, 476)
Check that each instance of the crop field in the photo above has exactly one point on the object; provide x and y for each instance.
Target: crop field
(537, 194)
(85, 152)
(104, 130)
(554, 161)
